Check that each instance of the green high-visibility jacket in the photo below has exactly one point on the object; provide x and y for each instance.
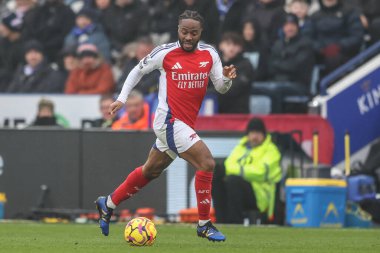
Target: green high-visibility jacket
(261, 167)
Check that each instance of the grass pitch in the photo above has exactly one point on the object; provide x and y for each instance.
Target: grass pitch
(38, 237)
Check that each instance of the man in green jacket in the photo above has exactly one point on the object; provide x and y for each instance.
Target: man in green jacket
(247, 181)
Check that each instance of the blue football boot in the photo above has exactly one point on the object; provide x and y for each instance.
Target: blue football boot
(105, 214)
(210, 232)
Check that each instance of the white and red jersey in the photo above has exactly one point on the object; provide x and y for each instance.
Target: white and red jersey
(183, 81)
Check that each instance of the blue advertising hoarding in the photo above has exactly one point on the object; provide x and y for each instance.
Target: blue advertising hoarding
(356, 109)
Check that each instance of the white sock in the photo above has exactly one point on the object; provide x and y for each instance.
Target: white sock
(202, 222)
(109, 203)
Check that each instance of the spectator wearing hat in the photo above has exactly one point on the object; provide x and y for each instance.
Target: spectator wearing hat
(247, 180)
(336, 32)
(36, 76)
(292, 57)
(125, 21)
(49, 24)
(87, 30)
(93, 76)
(236, 100)
(11, 49)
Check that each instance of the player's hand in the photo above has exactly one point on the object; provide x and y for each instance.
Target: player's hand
(229, 71)
(115, 107)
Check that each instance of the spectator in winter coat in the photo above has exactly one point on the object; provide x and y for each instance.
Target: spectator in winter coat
(92, 76)
(236, 100)
(254, 49)
(292, 57)
(10, 49)
(370, 10)
(88, 31)
(36, 76)
(231, 14)
(336, 32)
(49, 24)
(125, 21)
(300, 8)
(248, 179)
(270, 15)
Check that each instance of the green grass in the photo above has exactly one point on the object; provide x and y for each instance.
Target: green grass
(38, 237)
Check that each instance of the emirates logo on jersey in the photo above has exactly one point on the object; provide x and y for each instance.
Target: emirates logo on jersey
(190, 80)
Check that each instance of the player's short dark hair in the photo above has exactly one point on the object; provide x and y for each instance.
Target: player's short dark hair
(187, 14)
(233, 37)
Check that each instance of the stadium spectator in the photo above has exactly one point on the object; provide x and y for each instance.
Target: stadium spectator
(336, 32)
(45, 115)
(87, 30)
(100, 7)
(300, 8)
(136, 116)
(125, 21)
(237, 99)
(270, 15)
(370, 17)
(164, 18)
(230, 14)
(36, 76)
(292, 57)
(149, 82)
(69, 61)
(19, 8)
(49, 24)
(254, 50)
(11, 49)
(107, 119)
(93, 76)
(247, 181)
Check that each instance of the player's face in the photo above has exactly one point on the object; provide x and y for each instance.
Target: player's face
(189, 34)
(255, 138)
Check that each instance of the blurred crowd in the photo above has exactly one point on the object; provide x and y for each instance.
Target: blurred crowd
(89, 46)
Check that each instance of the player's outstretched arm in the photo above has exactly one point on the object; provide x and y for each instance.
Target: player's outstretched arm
(221, 76)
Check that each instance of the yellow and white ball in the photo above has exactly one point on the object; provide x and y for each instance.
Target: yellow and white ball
(140, 231)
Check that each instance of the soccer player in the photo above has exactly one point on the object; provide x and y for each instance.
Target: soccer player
(185, 67)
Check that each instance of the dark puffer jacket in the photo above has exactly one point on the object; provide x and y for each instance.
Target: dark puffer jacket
(339, 25)
(292, 61)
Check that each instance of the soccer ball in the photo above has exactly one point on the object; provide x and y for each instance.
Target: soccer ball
(140, 232)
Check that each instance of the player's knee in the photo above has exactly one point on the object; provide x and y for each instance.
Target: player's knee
(153, 171)
(208, 165)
